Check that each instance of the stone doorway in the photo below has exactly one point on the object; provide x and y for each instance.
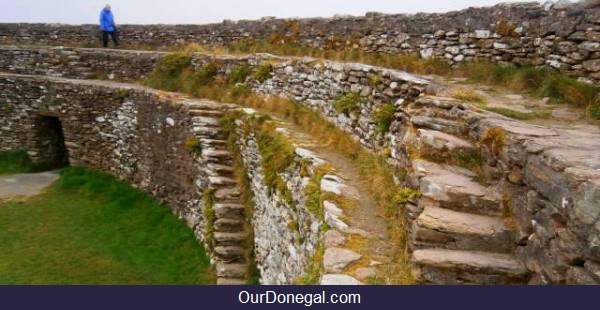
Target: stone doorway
(48, 141)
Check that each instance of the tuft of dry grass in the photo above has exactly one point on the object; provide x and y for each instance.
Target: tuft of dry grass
(468, 95)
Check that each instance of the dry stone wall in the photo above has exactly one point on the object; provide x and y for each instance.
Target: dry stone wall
(132, 132)
(559, 35)
(542, 182)
(286, 234)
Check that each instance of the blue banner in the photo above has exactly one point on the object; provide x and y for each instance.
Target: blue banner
(298, 297)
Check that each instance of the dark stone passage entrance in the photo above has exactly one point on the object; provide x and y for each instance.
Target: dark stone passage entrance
(49, 141)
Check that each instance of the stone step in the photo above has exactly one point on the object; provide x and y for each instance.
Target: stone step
(207, 113)
(227, 225)
(206, 121)
(441, 266)
(437, 141)
(229, 281)
(219, 170)
(225, 239)
(232, 271)
(444, 228)
(231, 210)
(453, 188)
(227, 194)
(445, 103)
(217, 153)
(203, 105)
(230, 253)
(221, 181)
(209, 132)
(437, 123)
(215, 156)
(213, 142)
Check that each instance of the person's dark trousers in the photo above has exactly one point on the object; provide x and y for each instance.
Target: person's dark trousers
(112, 34)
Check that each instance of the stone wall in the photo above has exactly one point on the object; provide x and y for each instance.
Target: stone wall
(128, 131)
(286, 234)
(543, 181)
(126, 66)
(559, 35)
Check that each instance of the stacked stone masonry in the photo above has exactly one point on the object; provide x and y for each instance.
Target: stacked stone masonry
(139, 136)
(531, 215)
(559, 35)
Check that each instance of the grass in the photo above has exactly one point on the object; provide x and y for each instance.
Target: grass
(277, 155)
(537, 81)
(89, 228)
(14, 162)
(383, 117)
(518, 115)
(468, 96)
(494, 139)
(349, 103)
(313, 194)
(208, 212)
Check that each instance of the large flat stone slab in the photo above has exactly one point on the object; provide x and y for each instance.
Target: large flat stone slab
(441, 266)
(444, 228)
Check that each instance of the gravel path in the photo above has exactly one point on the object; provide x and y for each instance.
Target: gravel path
(25, 185)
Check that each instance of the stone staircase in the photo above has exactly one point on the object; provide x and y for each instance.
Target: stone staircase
(230, 236)
(459, 232)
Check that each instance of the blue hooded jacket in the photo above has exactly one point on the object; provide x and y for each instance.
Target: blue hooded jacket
(107, 21)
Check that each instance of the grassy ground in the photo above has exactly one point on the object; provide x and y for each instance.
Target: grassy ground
(17, 162)
(90, 229)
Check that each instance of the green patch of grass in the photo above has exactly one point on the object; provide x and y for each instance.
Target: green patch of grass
(193, 145)
(89, 228)
(277, 155)
(406, 194)
(208, 212)
(523, 116)
(312, 192)
(315, 269)
(595, 111)
(168, 71)
(384, 116)
(468, 96)
(348, 103)
(19, 162)
(263, 72)
(207, 73)
(239, 74)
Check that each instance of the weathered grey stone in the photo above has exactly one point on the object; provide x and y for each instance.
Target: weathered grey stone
(333, 238)
(336, 260)
(339, 279)
(365, 273)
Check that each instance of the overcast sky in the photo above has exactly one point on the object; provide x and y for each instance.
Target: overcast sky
(202, 11)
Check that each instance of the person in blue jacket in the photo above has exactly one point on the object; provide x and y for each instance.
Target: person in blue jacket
(108, 26)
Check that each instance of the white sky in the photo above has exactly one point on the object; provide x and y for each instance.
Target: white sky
(202, 11)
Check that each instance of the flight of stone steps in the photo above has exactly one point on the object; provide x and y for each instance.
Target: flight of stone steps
(459, 233)
(230, 236)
